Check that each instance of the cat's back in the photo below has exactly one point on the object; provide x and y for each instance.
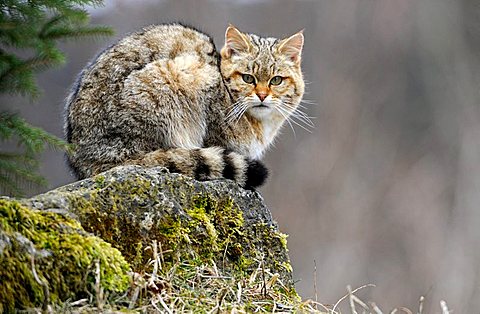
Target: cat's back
(133, 63)
(167, 41)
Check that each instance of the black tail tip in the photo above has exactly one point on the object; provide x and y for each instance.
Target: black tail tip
(257, 174)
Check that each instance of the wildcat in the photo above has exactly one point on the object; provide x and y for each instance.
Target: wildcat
(164, 96)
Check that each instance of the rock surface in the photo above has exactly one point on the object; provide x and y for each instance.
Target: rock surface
(140, 211)
(47, 258)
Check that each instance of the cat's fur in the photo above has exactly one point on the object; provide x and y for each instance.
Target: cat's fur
(165, 97)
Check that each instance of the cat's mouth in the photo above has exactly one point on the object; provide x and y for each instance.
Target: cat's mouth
(261, 106)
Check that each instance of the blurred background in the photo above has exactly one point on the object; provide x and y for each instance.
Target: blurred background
(386, 188)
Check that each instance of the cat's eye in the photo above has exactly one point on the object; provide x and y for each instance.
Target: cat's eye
(247, 78)
(276, 80)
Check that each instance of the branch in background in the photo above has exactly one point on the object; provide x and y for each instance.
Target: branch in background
(19, 169)
(29, 33)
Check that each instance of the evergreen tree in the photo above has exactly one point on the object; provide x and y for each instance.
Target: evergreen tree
(29, 33)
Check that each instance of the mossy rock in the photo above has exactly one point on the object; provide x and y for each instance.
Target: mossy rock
(46, 258)
(187, 240)
(132, 207)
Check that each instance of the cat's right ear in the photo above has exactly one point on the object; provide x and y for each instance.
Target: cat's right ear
(235, 42)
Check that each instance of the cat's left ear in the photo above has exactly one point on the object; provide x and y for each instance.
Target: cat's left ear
(292, 47)
(235, 42)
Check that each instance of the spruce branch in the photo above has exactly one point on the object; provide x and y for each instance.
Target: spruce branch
(29, 33)
(32, 138)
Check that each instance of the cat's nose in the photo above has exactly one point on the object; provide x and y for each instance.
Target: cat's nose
(262, 96)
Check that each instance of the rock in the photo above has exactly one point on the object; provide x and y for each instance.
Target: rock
(149, 214)
(46, 257)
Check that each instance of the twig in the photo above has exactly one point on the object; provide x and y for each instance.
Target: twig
(155, 261)
(264, 286)
(315, 283)
(444, 307)
(376, 308)
(215, 268)
(98, 287)
(169, 311)
(350, 299)
(346, 296)
(239, 292)
(321, 305)
(162, 261)
(154, 304)
(214, 277)
(360, 302)
(46, 292)
(420, 305)
(272, 281)
(79, 302)
(134, 298)
(253, 276)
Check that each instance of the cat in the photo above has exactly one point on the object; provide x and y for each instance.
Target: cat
(165, 97)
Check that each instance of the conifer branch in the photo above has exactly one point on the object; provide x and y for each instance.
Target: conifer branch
(32, 29)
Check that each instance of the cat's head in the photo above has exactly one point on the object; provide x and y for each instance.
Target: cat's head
(263, 74)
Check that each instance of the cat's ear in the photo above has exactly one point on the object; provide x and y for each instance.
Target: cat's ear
(235, 41)
(292, 47)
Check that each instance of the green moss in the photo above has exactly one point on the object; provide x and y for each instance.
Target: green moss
(215, 226)
(287, 266)
(202, 219)
(204, 234)
(209, 228)
(212, 243)
(283, 239)
(193, 226)
(212, 227)
(99, 181)
(64, 256)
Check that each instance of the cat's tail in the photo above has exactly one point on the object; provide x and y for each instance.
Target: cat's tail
(208, 164)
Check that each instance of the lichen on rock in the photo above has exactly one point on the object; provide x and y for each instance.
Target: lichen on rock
(47, 257)
(171, 226)
(130, 207)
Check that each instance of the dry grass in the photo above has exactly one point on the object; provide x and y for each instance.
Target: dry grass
(357, 306)
(198, 288)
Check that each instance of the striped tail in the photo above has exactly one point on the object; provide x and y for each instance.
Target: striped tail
(208, 164)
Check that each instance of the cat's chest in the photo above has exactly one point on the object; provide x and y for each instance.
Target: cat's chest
(265, 133)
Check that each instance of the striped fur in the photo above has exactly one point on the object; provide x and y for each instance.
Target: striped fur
(206, 164)
(165, 97)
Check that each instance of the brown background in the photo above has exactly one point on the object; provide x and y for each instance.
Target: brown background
(386, 187)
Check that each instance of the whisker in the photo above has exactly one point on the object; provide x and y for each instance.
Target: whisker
(292, 105)
(303, 115)
(307, 123)
(237, 113)
(288, 121)
(303, 119)
(300, 125)
(298, 114)
(245, 108)
(233, 111)
(306, 128)
(309, 102)
(298, 105)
